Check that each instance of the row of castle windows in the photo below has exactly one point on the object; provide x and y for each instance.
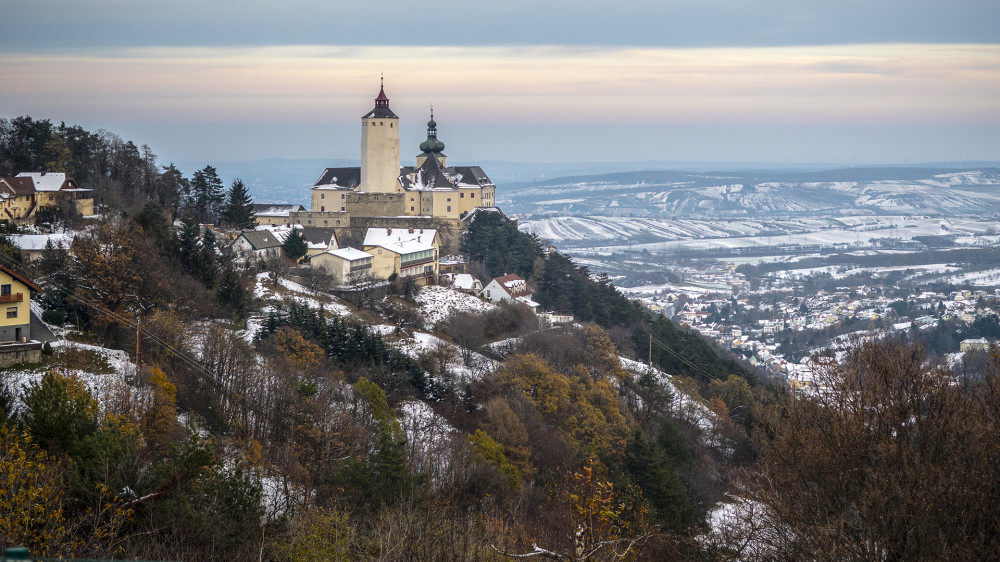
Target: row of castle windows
(380, 124)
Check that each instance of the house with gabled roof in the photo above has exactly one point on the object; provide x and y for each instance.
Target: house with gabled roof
(254, 245)
(21, 196)
(509, 288)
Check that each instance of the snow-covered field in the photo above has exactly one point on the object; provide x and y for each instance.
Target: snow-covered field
(607, 234)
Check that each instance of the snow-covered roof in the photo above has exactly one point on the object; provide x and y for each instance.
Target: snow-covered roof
(36, 242)
(401, 240)
(45, 181)
(274, 210)
(349, 254)
(514, 285)
(464, 281)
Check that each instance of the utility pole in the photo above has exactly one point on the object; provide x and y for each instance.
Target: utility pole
(650, 350)
(137, 344)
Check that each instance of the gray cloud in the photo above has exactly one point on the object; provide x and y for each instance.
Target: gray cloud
(42, 24)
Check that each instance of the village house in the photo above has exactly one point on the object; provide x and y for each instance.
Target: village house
(405, 252)
(253, 245)
(32, 245)
(15, 298)
(348, 266)
(509, 288)
(974, 344)
(463, 282)
(23, 195)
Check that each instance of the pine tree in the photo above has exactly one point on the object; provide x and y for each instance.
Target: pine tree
(238, 211)
(295, 245)
(234, 296)
(206, 195)
(187, 249)
(207, 261)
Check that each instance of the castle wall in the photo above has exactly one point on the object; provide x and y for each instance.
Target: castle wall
(322, 220)
(376, 204)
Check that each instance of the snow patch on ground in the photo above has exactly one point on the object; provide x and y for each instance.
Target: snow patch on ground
(102, 386)
(429, 440)
(438, 303)
(743, 527)
(689, 408)
(423, 343)
(290, 290)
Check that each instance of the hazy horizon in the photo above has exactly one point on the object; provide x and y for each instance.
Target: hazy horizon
(843, 82)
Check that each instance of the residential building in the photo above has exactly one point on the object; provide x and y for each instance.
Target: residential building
(974, 344)
(348, 266)
(253, 245)
(15, 301)
(32, 245)
(404, 252)
(509, 288)
(21, 196)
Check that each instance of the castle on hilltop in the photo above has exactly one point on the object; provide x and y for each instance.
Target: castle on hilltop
(382, 193)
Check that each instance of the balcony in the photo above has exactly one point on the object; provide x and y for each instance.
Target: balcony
(16, 297)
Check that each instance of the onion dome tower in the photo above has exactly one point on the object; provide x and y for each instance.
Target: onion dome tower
(431, 146)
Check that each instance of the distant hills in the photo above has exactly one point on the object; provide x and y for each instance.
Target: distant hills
(680, 189)
(756, 194)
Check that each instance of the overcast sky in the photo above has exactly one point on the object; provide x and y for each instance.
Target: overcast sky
(703, 80)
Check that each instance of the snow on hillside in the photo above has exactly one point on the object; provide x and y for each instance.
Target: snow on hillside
(290, 290)
(103, 386)
(438, 303)
(429, 440)
(690, 409)
(422, 344)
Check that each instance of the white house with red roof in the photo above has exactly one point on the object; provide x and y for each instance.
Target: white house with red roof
(509, 288)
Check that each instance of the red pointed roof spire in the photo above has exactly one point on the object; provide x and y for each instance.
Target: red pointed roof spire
(382, 100)
(381, 110)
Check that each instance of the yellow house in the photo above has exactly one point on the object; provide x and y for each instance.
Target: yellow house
(406, 252)
(15, 306)
(346, 265)
(22, 195)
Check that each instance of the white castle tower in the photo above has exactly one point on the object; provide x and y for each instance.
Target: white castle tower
(380, 148)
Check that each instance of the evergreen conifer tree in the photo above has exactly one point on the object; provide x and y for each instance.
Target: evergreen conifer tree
(295, 245)
(233, 295)
(238, 210)
(187, 248)
(207, 262)
(206, 195)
